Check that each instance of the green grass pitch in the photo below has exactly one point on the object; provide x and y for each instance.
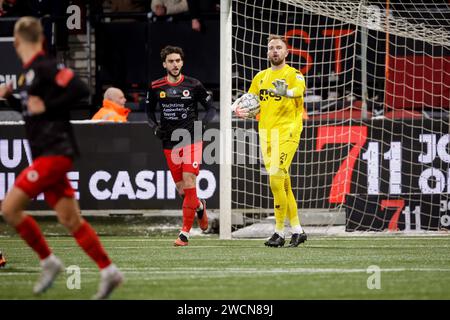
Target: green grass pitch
(323, 268)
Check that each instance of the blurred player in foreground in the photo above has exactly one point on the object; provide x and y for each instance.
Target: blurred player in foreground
(47, 92)
(280, 89)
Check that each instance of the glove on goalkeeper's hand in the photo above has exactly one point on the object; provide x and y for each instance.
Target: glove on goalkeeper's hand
(241, 112)
(281, 87)
(238, 110)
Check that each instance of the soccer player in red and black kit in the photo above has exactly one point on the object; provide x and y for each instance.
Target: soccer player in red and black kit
(178, 97)
(47, 92)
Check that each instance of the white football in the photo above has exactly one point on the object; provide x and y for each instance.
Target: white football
(250, 103)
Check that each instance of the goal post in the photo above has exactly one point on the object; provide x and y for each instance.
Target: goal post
(225, 119)
(375, 149)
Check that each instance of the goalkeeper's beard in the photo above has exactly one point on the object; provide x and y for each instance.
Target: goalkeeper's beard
(277, 62)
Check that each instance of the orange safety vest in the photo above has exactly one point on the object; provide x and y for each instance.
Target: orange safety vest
(112, 112)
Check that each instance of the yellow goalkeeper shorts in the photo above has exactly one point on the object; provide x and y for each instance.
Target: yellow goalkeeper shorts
(278, 157)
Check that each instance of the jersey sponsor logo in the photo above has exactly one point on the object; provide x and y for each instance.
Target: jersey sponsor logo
(32, 176)
(265, 94)
(29, 77)
(162, 94)
(21, 80)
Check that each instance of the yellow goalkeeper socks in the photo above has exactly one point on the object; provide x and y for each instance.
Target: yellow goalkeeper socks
(280, 201)
(292, 211)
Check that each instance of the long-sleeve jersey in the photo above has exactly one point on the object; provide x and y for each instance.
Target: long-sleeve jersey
(179, 108)
(284, 114)
(49, 133)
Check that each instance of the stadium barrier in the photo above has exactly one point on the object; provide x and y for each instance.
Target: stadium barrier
(122, 167)
(375, 161)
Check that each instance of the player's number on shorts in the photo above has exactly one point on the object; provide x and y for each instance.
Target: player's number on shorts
(283, 157)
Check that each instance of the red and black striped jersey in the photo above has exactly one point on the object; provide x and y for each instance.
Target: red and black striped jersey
(178, 103)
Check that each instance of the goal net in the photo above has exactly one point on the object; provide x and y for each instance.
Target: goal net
(374, 152)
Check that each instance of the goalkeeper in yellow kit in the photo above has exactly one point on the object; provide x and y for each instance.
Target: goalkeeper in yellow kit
(280, 89)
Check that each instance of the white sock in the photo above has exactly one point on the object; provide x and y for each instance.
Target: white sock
(186, 234)
(280, 233)
(51, 258)
(297, 229)
(107, 270)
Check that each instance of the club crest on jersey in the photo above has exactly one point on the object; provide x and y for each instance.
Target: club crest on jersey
(32, 176)
(162, 94)
(186, 94)
(29, 76)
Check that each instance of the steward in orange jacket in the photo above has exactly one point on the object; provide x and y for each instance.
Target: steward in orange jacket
(113, 108)
(112, 112)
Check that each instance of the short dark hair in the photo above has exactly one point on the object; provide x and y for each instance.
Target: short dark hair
(169, 50)
(277, 37)
(29, 29)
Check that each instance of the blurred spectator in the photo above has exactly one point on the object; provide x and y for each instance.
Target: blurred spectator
(198, 8)
(127, 10)
(113, 108)
(162, 8)
(53, 18)
(35, 8)
(129, 5)
(6, 6)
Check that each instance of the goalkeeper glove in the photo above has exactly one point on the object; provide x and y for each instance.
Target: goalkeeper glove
(241, 112)
(235, 104)
(238, 110)
(281, 87)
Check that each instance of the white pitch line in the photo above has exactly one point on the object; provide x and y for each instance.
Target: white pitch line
(313, 238)
(310, 246)
(247, 271)
(368, 246)
(240, 240)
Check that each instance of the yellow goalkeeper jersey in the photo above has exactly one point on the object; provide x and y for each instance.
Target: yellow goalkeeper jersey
(277, 112)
